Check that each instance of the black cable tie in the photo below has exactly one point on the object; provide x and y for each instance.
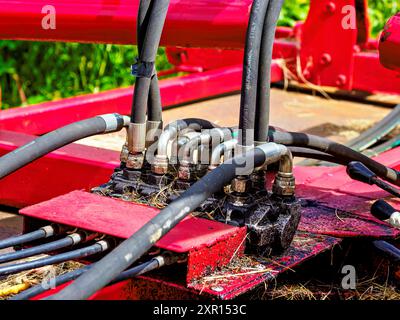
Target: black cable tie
(143, 69)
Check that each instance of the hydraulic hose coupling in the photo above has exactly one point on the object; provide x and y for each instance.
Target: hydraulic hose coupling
(137, 137)
(284, 183)
(160, 165)
(136, 145)
(153, 131)
(124, 153)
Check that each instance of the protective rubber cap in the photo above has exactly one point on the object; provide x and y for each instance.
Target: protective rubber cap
(382, 210)
(358, 171)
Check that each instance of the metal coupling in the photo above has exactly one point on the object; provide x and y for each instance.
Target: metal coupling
(241, 149)
(136, 137)
(284, 184)
(186, 171)
(153, 132)
(135, 161)
(124, 153)
(160, 165)
(241, 184)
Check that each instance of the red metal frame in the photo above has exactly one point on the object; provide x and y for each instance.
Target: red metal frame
(188, 23)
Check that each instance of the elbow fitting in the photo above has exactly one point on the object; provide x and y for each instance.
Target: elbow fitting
(153, 130)
(219, 151)
(284, 183)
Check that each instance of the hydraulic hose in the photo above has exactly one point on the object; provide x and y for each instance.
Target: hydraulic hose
(98, 247)
(138, 270)
(264, 71)
(38, 289)
(154, 109)
(70, 240)
(250, 72)
(316, 155)
(56, 139)
(41, 233)
(388, 249)
(335, 149)
(144, 74)
(129, 251)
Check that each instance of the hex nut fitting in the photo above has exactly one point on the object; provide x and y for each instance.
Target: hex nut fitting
(124, 153)
(135, 161)
(284, 184)
(241, 184)
(186, 171)
(160, 165)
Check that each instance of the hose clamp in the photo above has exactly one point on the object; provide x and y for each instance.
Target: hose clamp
(48, 230)
(160, 260)
(113, 121)
(76, 238)
(143, 69)
(104, 245)
(395, 219)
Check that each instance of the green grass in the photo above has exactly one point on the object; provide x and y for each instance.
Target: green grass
(33, 72)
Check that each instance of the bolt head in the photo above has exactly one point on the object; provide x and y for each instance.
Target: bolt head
(326, 59)
(341, 80)
(330, 7)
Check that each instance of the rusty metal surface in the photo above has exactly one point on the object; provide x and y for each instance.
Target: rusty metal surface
(253, 271)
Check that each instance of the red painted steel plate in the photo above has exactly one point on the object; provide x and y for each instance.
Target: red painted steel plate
(228, 284)
(122, 219)
(69, 168)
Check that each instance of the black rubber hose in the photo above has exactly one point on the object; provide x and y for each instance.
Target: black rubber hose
(335, 149)
(129, 251)
(38, 289)
(75, 254)
(377, 132)
(250, 72)
(194, 123)
(147, 59)
(62, 279)
(388, 188)
(388, 249)
(316, 155)
(56, 139)
(264, 71)
(24, 238)
(44, 248)
(154, 108)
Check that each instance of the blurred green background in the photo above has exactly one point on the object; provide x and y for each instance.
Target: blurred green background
(33, 72)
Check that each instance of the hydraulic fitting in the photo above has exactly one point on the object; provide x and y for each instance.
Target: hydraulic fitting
(186, 171)
(160, 164)
(241, 184)
(136, 137)
(225, 149)
(153, 132)
(284, 185)
(124, 153)
(135, 161)
(258, 179)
